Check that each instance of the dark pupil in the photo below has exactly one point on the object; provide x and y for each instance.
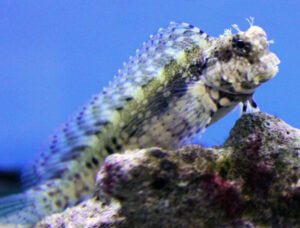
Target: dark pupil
(240, 44)
(241, 48)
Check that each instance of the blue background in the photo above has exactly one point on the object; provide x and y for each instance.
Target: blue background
(55, 54)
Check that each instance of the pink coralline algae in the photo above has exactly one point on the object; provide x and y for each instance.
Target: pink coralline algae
(252, 180)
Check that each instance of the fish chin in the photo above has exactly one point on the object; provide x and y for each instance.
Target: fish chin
(267, 68)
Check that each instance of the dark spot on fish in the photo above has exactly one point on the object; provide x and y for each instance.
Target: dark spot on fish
(49, 185)
(51, 193)
(132, 132)
(187, 32)
(190, 134)
(95, 161)
(52, 146)
(102, 123)
(77, 176)
(57, 173)
(226, 86)
(158, 153)
(116, 144)
(58, 203)
(66, 198)
(118, 147)
(93, 132)
(79, 148)
(167, 165)
(86, 188)
(196, 69)
(114, 140)
(70, 156)
(180, 137)
(247, 85)
(128, 98)
(159, 102)
(119, 108)
(200, 128)
(109, 150)
(219, 106)
(88, 165)
(146, 83)
(178, 87)
(224, 55)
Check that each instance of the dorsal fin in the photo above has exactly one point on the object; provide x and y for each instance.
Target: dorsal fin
(74, 138)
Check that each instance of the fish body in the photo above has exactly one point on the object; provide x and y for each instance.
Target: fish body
(180, 82)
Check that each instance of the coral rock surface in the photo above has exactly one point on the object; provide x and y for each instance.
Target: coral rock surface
(252, 180)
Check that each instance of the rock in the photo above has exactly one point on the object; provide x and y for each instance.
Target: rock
(253, 180)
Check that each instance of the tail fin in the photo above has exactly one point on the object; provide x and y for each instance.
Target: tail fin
(17, 209)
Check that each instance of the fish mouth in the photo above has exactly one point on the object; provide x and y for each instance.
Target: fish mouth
(267, 65)
(267, 68)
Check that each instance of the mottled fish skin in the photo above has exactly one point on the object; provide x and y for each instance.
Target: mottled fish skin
(180, 82)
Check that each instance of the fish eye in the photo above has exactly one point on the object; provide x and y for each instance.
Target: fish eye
(240, 47)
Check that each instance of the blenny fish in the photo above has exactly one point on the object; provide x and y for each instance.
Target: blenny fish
(180, 82)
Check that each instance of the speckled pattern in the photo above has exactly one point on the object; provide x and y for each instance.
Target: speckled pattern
(253, 180)
(177, 84)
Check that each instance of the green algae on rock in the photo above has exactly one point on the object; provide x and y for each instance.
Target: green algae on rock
(253, 180)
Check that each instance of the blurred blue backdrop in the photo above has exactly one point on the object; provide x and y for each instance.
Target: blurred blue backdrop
(55, 54)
